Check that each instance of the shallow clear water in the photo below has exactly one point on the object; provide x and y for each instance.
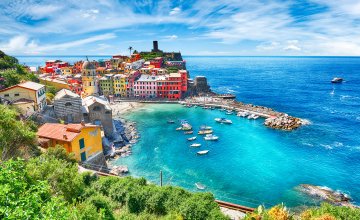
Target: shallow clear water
(252, 164)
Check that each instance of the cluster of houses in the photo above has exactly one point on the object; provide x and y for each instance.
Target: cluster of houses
(120, 76)
(81, 106)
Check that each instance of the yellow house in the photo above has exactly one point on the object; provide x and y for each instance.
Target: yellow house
(84, 140)
(27, 90)
(117, 84)
(58, 84)
(66, 70)
(123, 85)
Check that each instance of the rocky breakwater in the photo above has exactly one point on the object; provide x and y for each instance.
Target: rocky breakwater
(326, 194)
(284, 122)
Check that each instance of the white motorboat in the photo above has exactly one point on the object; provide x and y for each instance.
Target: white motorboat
(189, 132)
(203, 152)
(179, 128)
(195, 145)
(192, 138)
(204, 127)
(202, 132)
(223, 120)
(229, 112)
(200, 186)
(337, 80)
(211, 137)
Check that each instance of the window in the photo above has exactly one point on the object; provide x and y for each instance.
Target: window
(97, 108)
(6, 95)
(68, 104)
(82, 143)
(17, 94)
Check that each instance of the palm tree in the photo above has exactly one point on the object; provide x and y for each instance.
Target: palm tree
(130, 48)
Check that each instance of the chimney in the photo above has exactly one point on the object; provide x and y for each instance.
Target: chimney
(65, 136)
(155, 46)
(82, 122)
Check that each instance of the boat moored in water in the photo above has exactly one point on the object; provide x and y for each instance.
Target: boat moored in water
(200, 186)
(170, 121)
(203, 152)
(211, 137)
(195, 145)
(192, 138)
(223, 120)
(188, 132)
(204, 127)
(202, 132)
(337, 80)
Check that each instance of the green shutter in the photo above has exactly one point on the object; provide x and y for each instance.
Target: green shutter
(82, 143)
(83, 156)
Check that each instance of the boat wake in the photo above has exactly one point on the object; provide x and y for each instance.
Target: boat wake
(332, 146)
(349, 97)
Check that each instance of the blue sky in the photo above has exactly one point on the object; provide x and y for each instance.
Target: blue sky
(194, 27)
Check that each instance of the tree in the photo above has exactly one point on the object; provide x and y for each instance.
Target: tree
(17, 138)
(22, 197)
(60, 171)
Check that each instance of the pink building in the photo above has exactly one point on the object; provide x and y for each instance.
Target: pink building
(146, 87)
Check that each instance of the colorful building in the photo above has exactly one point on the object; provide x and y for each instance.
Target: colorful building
(145, 87)
(84, 140)
(107, 84)
(27, 90)
(89, 80)
(66, 70)
(52, 65)
(157, 62)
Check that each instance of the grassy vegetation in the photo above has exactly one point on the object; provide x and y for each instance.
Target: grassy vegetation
(11, 72)
(150, 55)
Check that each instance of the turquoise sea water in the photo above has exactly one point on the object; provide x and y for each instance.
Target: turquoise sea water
(252, 164)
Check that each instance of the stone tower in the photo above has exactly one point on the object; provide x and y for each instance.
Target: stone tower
(89, 80)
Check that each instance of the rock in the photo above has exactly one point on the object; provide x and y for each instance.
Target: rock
(326, 194)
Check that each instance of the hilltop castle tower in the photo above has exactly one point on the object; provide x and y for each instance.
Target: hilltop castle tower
(89, 80)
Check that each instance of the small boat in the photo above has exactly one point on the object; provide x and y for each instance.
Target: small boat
(192, 138)
(188, 132)
(195, 145)
(242, 114)
(211, 137)
(204, 127)
(229, 112)
(200, 186)
(202, 132)
(223, 120)
(186, 127)
(337, 80)
(203, 152)
(179, 128)
(223, 109)
(170, 121)
(253, 116)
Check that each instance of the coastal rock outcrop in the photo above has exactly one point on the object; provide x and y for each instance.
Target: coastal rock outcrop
(326, 194)
(284, 122)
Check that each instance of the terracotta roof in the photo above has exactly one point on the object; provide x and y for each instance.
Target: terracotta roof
(22, 100)
(61, 132)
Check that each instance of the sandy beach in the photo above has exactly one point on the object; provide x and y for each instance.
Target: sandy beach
(121, 108)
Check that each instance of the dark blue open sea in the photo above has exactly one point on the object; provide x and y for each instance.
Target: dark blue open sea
(252, 164)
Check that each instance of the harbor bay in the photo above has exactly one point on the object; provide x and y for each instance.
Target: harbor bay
(250, 163)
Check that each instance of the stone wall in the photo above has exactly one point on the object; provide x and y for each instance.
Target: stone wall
(98, 113)
(68, 109)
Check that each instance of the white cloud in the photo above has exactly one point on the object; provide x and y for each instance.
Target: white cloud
(272, 45)
(22, 44)
(175, 11)
(171, 37)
